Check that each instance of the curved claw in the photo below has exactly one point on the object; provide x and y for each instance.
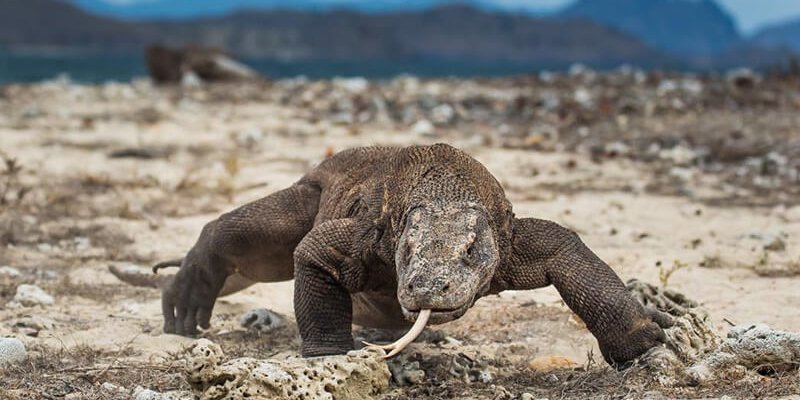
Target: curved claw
(400, 344)
(166, 264)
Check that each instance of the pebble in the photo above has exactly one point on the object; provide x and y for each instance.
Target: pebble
(10, 272)
(423, 128)
(9, 275)
(110, 387)
(261, 320)
(32, 295)
(141, 393)
(12, 351)
(31, 326)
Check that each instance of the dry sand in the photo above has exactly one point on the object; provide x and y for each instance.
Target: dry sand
(85, 210)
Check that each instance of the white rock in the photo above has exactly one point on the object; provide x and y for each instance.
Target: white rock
(679, 155)
(9, 276)
(352, 85)
(141, 393)
(249, 138)
(583, 97)
(32, 295)
(443, 113)
(12, 351)
(423, 127)
(110, 387)
(262, 320)
(6, 271)
(191, 79)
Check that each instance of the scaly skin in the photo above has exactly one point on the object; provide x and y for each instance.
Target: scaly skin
(374, 235)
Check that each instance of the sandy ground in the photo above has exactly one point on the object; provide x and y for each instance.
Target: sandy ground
(85, 210)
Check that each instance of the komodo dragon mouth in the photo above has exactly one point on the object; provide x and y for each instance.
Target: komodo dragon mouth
(400, 344)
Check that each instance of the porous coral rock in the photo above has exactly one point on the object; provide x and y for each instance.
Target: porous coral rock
(694, 351)
(360, 374)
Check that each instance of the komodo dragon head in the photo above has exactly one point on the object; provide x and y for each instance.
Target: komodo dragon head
(445, 259)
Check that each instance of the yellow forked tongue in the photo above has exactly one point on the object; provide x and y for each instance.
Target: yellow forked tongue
(400, 344)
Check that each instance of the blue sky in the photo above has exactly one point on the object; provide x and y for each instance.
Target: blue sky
(750, 14)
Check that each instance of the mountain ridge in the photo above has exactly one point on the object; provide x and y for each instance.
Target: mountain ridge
(449, 32)
(676, 26)
(784, 34)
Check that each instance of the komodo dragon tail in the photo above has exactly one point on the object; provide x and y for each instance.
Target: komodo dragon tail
(138, 277)
(166, 264)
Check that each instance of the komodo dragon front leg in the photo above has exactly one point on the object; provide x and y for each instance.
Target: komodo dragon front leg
(254, 242)
(327, 270)
(545, 253)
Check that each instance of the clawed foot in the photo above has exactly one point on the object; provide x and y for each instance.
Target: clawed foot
(189, 299)
(642, 335)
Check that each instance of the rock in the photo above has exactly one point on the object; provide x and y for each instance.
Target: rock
(250, 138)
(353, 85)
(549, 363)
(110, 387)
(583, 97)
(679, 155)
(261, 320)
(470, 369)
(774, 242)
(742, 78)
(442, 114)
(32, 295)
(9, 275)
(12, 351)
(10, 272)
(141, 393)
(423, 128)
(360, 374)
(405, 372)
(753, 347)
(694, 350)
(31, 325)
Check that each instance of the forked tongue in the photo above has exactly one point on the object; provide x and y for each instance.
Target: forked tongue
(400, 344)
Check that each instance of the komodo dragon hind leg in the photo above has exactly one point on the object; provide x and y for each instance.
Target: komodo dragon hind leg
(253, 243)
(545, 253)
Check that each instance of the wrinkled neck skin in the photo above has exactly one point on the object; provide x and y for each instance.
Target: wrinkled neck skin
(445, 255)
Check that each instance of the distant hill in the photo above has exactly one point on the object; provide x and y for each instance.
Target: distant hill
(186, 9)
(450, 32)
(786, 34)
(695, 34)
(446, 33)
(57, 24)
(686, 27)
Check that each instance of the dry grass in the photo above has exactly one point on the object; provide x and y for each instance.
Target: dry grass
(80, 371)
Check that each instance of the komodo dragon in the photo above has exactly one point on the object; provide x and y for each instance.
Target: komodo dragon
(381, 236)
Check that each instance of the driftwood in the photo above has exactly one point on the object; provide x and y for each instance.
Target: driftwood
(175, 65)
